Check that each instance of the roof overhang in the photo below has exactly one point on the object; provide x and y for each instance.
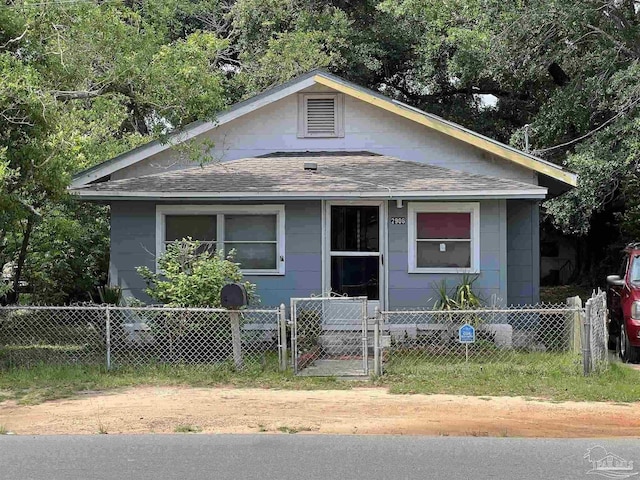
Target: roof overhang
(147, 150)
(106, 195)
(449, 128)
(562, 178)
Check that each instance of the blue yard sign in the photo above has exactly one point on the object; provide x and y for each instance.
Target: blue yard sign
(467, 334)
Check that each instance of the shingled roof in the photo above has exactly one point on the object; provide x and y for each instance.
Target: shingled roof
(339, 174)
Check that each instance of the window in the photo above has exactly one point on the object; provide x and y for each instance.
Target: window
(255, 232)
(444, 237)
(320, 115)
(198, 227)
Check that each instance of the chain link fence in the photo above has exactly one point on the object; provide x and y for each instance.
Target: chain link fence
(595, 338)
(558, 336)
(411, 338)
(129, 336)
(329, 336)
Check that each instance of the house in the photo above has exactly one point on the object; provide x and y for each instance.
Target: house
(321, 185)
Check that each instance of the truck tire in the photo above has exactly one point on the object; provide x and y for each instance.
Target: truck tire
(628, 353)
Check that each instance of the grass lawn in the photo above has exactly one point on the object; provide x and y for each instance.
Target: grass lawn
(45, 382)
(530, 375)
(542, 375)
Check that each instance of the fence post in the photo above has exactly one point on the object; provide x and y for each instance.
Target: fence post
(586, 342)
(283, 337)
(236, 338)
(108, 335)
(576, 324)
(365, 334)
(376, 343)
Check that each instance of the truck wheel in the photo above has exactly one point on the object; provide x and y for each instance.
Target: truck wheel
(628, 353)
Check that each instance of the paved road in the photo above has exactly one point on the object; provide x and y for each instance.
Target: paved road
(299, 457)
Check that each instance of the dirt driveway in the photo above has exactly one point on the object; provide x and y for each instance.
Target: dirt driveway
(361, 410)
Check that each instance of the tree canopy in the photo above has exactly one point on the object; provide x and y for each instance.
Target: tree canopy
(82, 81)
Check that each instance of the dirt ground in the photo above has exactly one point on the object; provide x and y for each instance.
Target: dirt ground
(361, 410)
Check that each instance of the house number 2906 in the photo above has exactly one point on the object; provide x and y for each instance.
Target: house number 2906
(398, 220)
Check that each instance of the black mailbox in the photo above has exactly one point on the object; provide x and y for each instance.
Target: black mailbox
(233, 295)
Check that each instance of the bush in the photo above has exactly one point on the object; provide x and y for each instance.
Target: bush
(191, 278)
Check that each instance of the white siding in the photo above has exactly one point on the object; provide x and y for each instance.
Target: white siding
(274, 129)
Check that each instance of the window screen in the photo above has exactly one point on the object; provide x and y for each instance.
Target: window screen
(254, 238)
(197, 227)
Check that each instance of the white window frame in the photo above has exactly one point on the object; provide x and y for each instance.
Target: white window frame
(220, 210)
(413, 208)
(382, 252)
(338, 115)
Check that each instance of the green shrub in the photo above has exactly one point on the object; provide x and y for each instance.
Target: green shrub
(191, 278)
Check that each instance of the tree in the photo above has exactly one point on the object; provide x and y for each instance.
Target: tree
(569, 70)
(81, 83)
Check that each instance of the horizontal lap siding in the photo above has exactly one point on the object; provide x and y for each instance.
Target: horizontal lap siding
(408, 290)
(273, 128)
(133, 243)
(523, 252)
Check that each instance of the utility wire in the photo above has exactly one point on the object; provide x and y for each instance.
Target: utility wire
(588, 134)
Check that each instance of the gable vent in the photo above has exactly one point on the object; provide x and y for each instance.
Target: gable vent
(321, 116)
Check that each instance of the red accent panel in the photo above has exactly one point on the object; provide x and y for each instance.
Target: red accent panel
(444, 225)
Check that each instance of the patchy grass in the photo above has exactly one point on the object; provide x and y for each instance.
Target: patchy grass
(47, 382)
(534, 376)
(3, 430)
(186, 428)
(286, 429)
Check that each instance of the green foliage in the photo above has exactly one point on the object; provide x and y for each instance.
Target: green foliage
(184, 80)
(69, 253)
(110, 294)
(82, 82)
(191, 278)
(461, 297)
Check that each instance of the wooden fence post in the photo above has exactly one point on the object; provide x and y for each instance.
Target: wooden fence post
(576, 324)
(236, 338)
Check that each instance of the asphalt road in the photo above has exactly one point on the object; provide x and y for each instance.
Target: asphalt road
(300, 457)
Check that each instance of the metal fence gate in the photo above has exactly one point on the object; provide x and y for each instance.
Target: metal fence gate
(329, 336)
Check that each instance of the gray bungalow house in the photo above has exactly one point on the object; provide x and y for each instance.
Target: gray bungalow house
(321, 185)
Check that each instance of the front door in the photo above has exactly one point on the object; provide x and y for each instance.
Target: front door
(355, 238)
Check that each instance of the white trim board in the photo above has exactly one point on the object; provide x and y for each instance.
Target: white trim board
(533, 193)
(153, 148)
(413, 208)
(342, 86)
(279, 210)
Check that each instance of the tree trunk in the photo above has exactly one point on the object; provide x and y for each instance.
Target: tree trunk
(22, 256)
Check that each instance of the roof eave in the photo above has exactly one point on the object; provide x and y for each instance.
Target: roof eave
(191, 131)
(336, 83)
(534, 194)
(454, 130)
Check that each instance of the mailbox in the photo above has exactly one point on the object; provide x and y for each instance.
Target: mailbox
(233, 295)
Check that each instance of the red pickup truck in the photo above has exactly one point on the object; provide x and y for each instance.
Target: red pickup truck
(623, 300)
